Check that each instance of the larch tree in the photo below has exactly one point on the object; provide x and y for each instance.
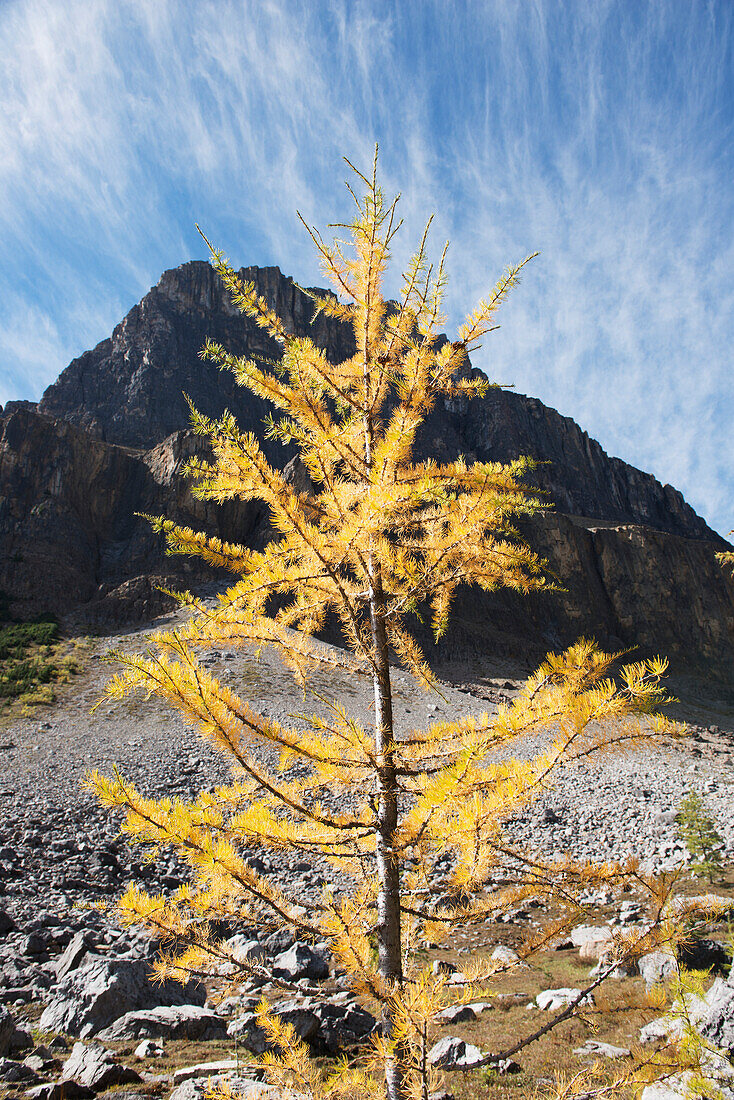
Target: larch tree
(380, 541)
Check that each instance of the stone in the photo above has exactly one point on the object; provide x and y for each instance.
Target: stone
(300, 961)
(454, 1053)
(60, 1090)
(717, 1021)
(71, 957)
(7, 924)
(246, 1030)
(657, 967)
(551, 999)
(245, 949)
(705, 954)
(596, 1048)
(148, 1049)
(12, 1072)
(593, 942)
(279, 940)
(167, 1022)
(505, 955)
(95, 1067)
(204, 1069)
(302, 1019)
(342, 1025)
(457, 1014)
(198, 1088)
(505, 1066)
(33, 945)
(718, 1071)
(13, 1039)
(101, 990)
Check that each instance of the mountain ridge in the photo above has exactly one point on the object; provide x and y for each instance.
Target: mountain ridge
(129, 390)
(110, 437)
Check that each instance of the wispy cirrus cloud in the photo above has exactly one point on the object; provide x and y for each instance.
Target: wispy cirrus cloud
(600, 134)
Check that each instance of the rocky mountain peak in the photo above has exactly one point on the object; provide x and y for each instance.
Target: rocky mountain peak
(110, 436)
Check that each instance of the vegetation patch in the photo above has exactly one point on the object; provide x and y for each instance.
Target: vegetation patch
(32, 661)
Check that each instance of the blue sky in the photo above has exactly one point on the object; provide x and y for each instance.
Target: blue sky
(597, 131)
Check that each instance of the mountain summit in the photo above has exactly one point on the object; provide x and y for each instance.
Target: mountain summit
(110, 436)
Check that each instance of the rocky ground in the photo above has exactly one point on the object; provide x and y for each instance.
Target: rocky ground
(59, 853)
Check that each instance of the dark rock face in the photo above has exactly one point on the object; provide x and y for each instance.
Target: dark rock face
(129, 390)
(109, 439)
(575, 472)
(69, 533)
(625, 586)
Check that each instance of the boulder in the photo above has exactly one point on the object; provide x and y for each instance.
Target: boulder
(300, 961)
(71, 958)
(442, 966)
(204, 1069)
(167, 1022)
(148, 1049)
(342, 1025)
(101, 990)
(60, 1090)
(245, 949)
(717, 1023)
(718, 1070)
(593, 942)
(247, 1031)
(551, 999)
(15, 1073)
(598, 1049)
(198, 1088)
(13, 1039)
(657, 967)
(457, 1014)
(302, 1018)
(7, 924)
(505, 955)
(95, 1067)
(705, 954)
(454, 1053)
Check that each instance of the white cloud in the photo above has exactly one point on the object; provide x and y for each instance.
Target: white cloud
(600, 134)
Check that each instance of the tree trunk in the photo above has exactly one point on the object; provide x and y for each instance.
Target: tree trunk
(388, 873)
(389, 948)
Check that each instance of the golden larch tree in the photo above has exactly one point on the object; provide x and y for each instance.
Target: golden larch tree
(381, 539)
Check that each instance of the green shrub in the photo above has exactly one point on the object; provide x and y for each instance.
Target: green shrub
(30, 662)
(698, 832)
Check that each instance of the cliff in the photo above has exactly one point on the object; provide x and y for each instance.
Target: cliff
(129, 390)
(109, 438)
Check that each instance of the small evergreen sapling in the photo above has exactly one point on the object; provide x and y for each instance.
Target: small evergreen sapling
(382, 540)
(697, 830)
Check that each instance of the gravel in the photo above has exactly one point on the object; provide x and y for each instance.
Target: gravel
(58, 847)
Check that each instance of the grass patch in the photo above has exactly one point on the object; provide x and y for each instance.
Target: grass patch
(32, 661)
